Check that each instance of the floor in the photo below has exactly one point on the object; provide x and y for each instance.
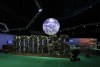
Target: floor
(9, 60)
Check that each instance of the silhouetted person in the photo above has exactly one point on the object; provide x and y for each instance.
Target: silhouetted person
(75, 54)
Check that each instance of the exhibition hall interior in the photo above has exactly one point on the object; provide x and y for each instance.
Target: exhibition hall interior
(49, 33)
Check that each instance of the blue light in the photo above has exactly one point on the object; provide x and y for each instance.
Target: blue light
(6, 39)
(10, 42)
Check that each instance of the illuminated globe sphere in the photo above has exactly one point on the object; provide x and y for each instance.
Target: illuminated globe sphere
(51, 26)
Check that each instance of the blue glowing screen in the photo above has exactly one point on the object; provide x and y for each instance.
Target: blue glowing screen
(6, 39)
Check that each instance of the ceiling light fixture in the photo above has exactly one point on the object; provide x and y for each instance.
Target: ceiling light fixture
(97, 25)
(40, 10)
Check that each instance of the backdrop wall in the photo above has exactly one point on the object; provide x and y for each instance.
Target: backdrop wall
(6, 38)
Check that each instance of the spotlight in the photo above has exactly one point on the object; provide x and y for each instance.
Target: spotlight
(40, 10)
(90, 7)
(74, 28)
(84, 26)
(97, 25)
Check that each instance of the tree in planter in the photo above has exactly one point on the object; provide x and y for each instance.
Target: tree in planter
(50, 48)
(27, 44)
(43, 44)
(37, 44)
(64, 47)
(53, 50)
(23, 44)
(17, 43)
(33, 44)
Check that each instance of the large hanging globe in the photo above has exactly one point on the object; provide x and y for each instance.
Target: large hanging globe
(51, 26)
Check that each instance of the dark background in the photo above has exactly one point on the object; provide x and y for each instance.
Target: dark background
(78, 18)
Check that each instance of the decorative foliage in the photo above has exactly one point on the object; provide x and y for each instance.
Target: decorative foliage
(41, 44)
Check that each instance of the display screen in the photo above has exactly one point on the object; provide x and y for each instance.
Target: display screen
(6, 39)
(82, 41)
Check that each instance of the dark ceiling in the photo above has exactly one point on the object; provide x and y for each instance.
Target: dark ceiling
(17, 14)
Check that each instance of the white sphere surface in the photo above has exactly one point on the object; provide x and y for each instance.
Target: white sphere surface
(51, 26)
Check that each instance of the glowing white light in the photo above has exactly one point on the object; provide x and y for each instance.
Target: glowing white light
(51, 26)
(70, 40)
(27, 36)
(19, 37)
(40, 10)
